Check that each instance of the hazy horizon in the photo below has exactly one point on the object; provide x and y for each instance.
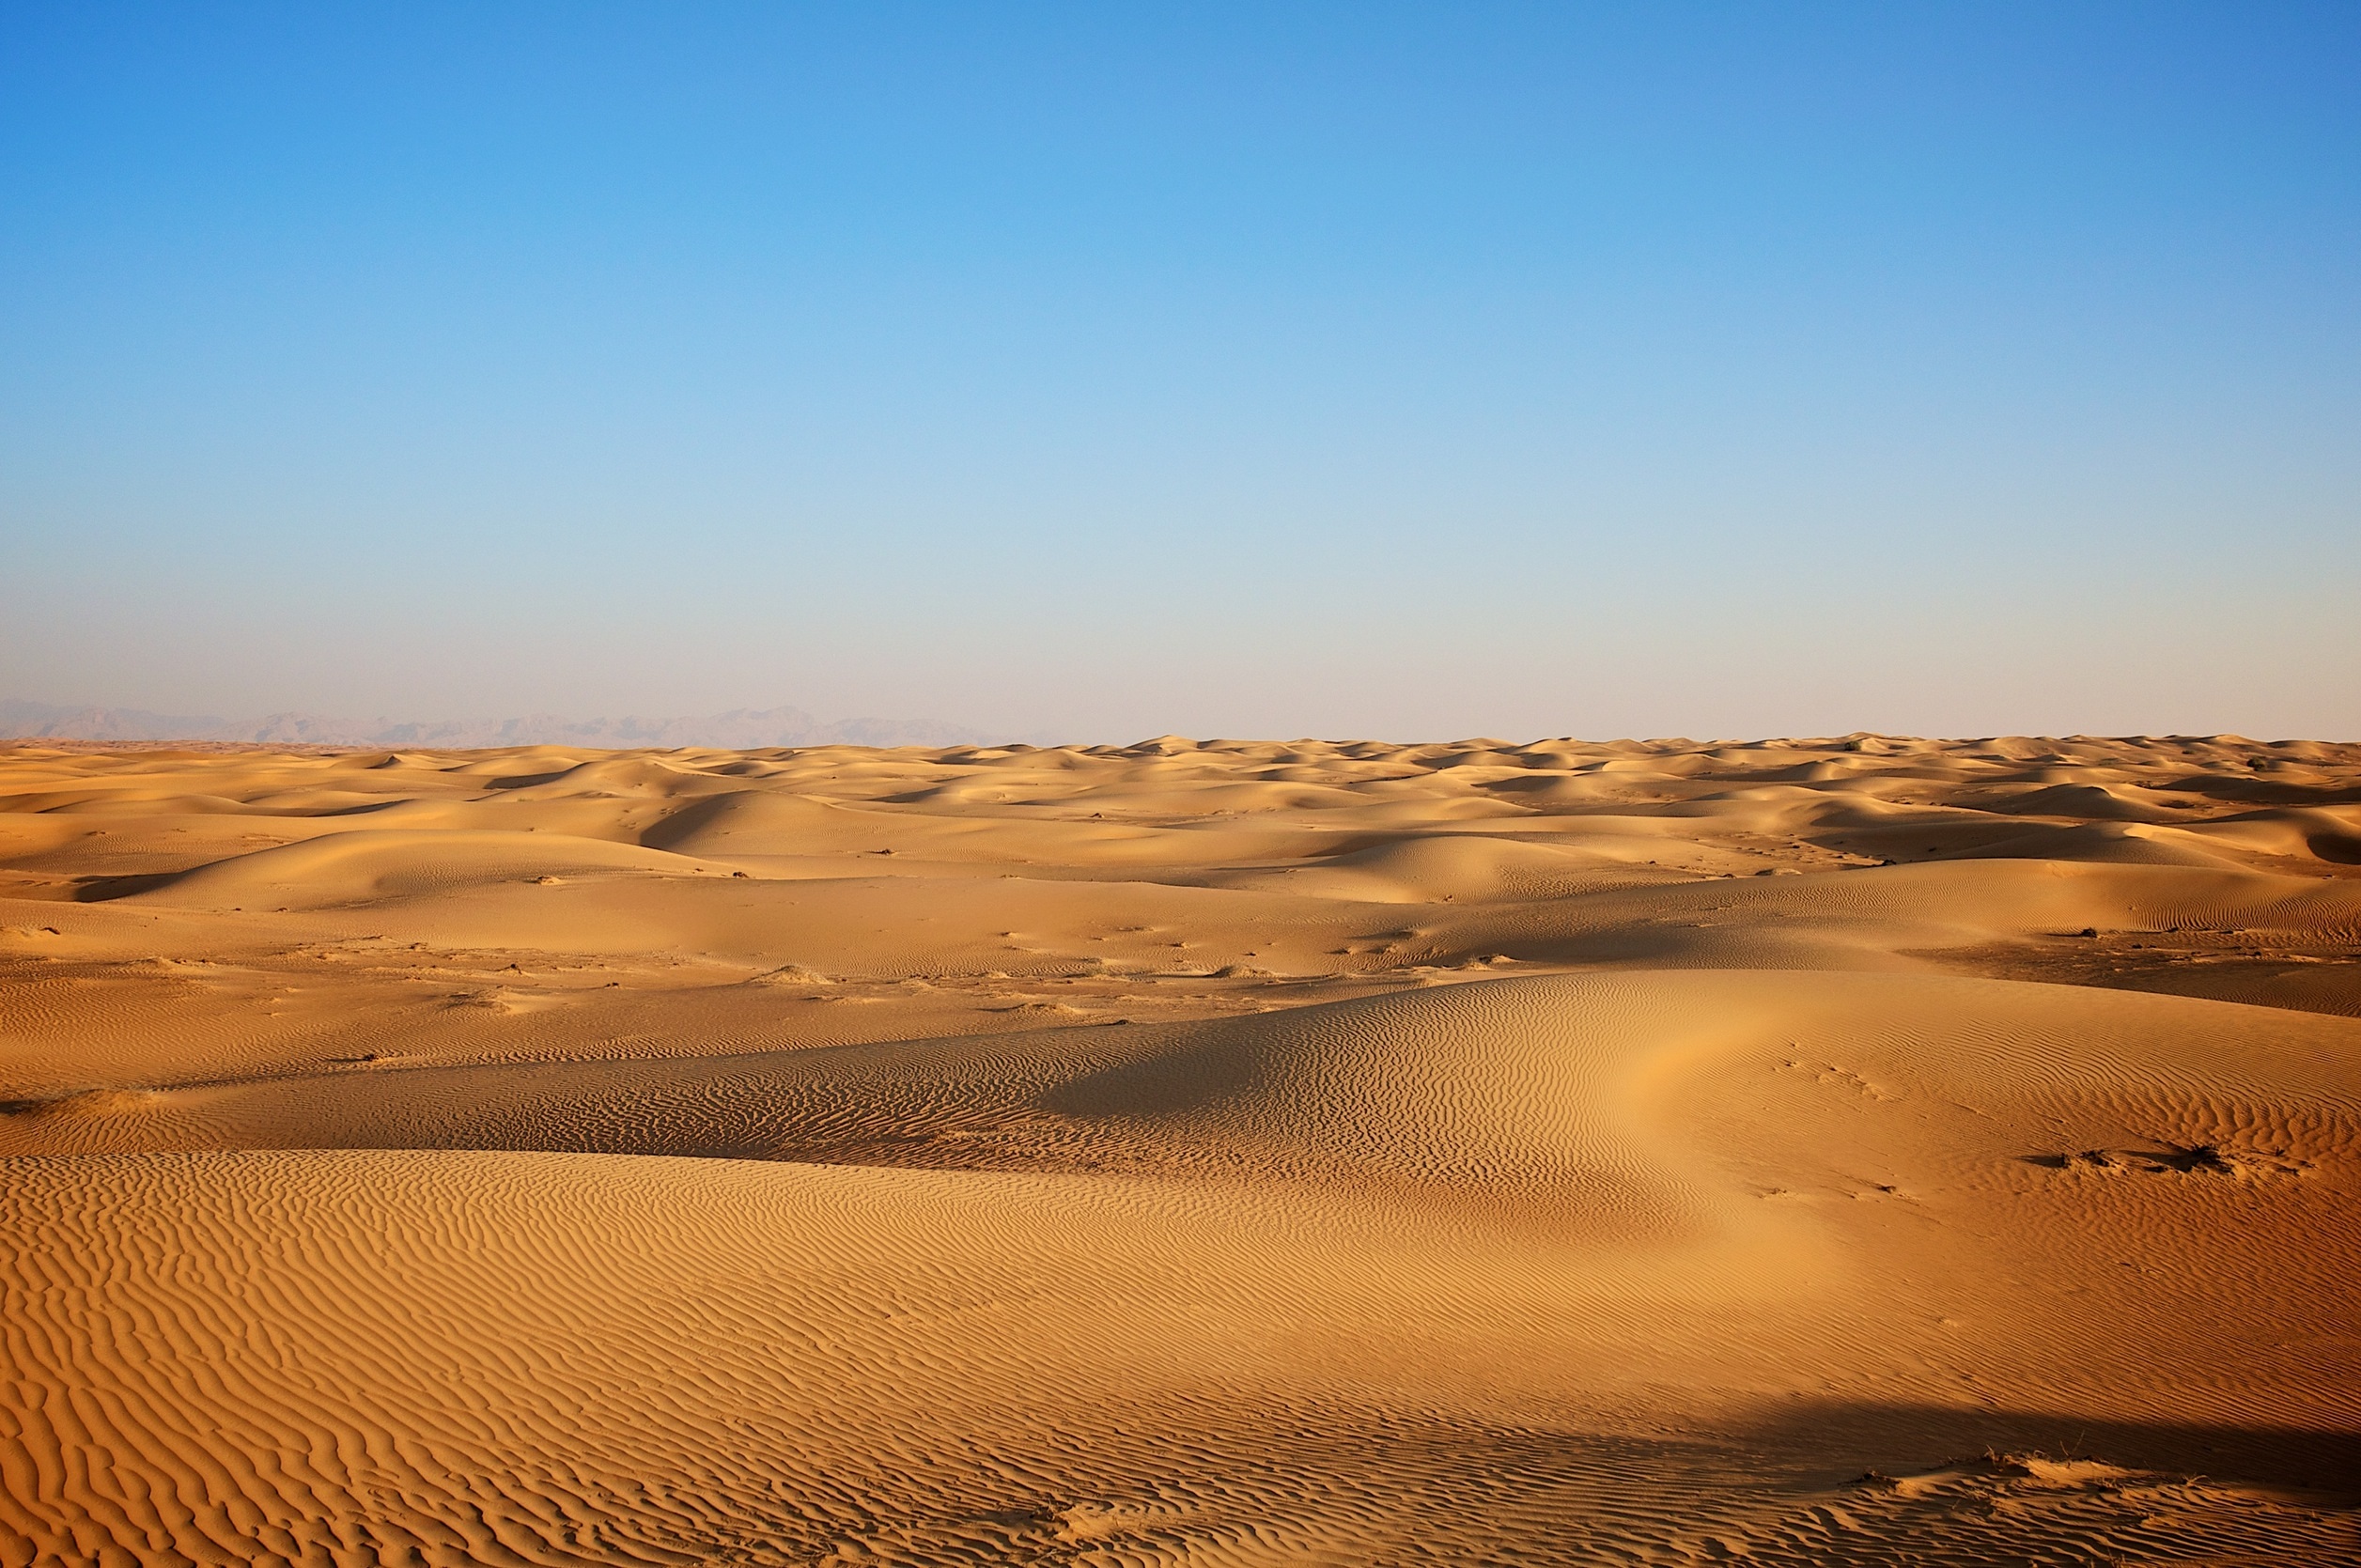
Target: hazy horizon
(752, 729)
(1397, 371)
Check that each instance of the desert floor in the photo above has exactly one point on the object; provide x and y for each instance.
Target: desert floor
(1850, 1151)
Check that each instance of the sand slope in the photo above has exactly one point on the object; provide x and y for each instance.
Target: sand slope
(1861, 1151)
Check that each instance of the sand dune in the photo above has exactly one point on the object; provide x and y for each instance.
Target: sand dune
(1863, 1151)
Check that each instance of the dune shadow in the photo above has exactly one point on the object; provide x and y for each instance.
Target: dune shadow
(528, 780)
(1173, 1083)
(101, 890)
(1826, 1442)
(2336, 848)
(366, 808)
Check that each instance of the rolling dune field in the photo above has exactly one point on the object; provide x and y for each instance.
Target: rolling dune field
(1850, 1151)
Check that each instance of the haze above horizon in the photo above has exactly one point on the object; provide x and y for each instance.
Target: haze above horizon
(1414, 371)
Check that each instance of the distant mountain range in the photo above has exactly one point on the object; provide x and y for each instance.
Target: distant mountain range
(743, 729)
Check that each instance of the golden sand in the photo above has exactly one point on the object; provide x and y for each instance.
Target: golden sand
(1854, 1150)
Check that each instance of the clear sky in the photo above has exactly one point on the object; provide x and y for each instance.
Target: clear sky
(1101, 370)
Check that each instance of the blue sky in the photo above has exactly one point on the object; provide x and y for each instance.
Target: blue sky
(1094, 371)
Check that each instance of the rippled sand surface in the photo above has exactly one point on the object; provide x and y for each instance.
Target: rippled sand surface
(1862, 1151)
